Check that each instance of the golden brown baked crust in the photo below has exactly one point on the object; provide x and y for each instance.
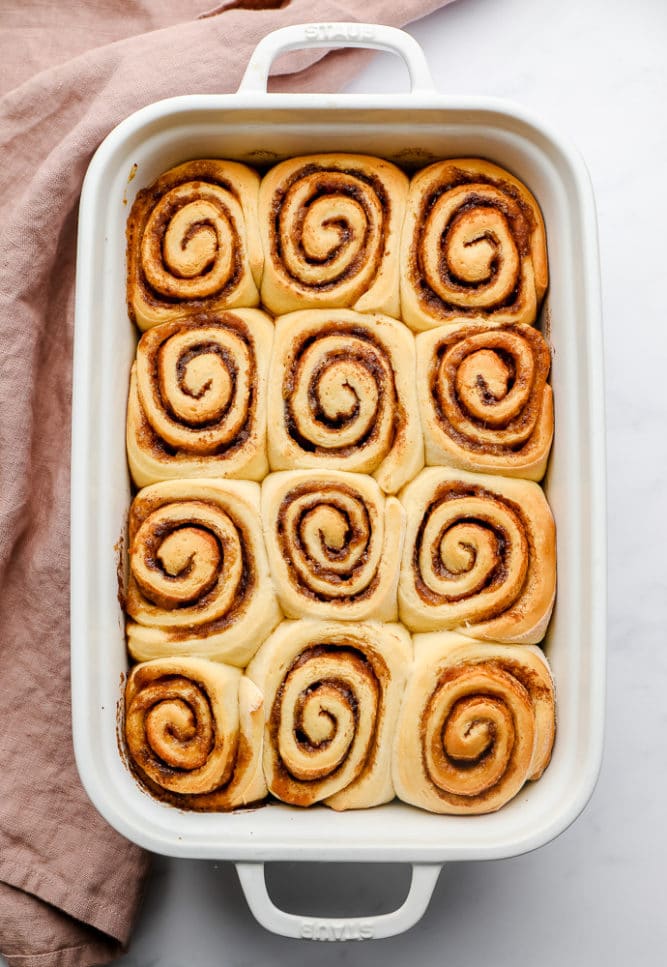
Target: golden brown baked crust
(479, 556)
(473, 247)
(333, 541)
(331, 696)
(199, 579)
(197, 403)
(193, 242)
(477, 720)
(484, 400)
(342, 396)
(193, 733)
(331, 226)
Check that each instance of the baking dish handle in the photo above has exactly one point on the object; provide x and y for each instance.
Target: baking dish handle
(375, 36)
(424, 879)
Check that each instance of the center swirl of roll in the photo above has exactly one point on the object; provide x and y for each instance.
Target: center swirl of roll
(170, 729)
(331, 537)
(196, 386)
(325, 713)
(472, 548)
(190, 246)
(340, 395)
(188, 560)
(488, 386)
(329, 228)
(478, 731)
(472, 243)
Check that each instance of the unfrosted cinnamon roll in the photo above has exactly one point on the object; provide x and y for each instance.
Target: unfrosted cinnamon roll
(193, 242)
(342, 396)
(331, 226)
(484, 399)
(477, 721)
(473, 247)
(199, 580)
(197, 403)
(193, 732)
(479, 556)
(334, 544)
(331, 697)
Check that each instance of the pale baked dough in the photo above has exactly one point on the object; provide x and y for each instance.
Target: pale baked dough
(333, 541)
(342, 396)
(331, 226)
(484, 400)
(473, 247)
(477, 720)
(479, 556)
(193, 731)
(199, 580)
(197, 402)
(332, 692)
(193, 242)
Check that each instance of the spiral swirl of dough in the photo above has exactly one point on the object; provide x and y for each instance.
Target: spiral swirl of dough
(187, 250)
(193, 242)
(324, 715)
(477, 721)
(472, 542)
(343, 394)
(204, 377)
(349, 369)
(329, 225)
(333, 541)
(478, 724)
(193, 731)
(473, 246)
(479, 555)
(484, 399)
(199, 580)
(197, 403)
(332, 693)
(188, 560)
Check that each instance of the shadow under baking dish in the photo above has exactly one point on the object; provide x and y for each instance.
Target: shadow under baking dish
(412, 132)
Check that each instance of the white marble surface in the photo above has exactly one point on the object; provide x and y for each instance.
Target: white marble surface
(595, 69)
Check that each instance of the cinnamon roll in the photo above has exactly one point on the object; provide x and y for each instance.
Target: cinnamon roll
(197, 403)
(330, 228)
(199, 580)
(331, 698)
(484, 400)
(479, 556)
(334, 544)
(193, 242)
(473, 247)
(477, 721)
(342, 396)
(193, 733)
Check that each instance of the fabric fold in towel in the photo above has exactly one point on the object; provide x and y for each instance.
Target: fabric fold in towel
(70, 886)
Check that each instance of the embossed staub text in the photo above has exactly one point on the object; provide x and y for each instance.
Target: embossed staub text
(336, 930)
(339, 31)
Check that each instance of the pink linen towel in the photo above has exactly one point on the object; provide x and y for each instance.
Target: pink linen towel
(69, 885)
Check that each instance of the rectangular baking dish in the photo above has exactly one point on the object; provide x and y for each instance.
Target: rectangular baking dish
(412, 130)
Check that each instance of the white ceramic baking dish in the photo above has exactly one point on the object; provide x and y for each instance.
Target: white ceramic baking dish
(411, 129)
